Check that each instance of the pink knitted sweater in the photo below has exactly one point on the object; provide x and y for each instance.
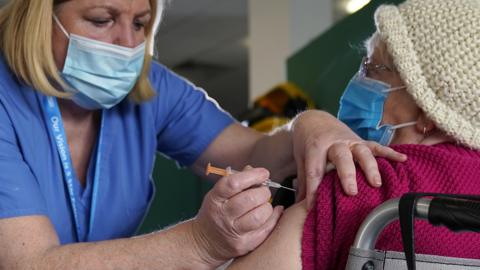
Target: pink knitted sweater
(331, 225)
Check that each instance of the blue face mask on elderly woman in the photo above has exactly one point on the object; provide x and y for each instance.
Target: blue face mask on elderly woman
(99, 74)
(361, 109)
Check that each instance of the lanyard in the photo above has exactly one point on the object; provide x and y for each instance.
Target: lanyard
(54, 120)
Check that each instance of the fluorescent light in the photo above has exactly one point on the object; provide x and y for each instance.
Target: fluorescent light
(353, 6)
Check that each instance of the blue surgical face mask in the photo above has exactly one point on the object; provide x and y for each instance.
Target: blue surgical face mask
(99, 74)
(361, 108)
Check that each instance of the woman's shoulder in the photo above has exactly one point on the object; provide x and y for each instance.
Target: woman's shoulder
(13, 93)
(167, 83)
(161, 76)
(8, 80)
(447, 150)
(157, 72)
(172, 89)
(434, 168)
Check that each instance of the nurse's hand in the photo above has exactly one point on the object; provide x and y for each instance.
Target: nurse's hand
(318, 138)
(235, 216)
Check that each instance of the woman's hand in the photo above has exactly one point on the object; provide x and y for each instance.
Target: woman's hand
(235, 217)
(319, 137)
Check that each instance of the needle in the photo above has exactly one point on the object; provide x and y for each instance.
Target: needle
(224, 172)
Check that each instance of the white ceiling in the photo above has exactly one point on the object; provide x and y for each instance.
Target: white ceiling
(205, 41)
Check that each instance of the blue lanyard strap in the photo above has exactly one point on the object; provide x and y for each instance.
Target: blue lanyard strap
(55, 124)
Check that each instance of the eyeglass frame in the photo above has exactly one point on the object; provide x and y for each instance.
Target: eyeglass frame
(365, 66)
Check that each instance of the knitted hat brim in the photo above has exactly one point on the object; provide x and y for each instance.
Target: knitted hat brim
(393, 32)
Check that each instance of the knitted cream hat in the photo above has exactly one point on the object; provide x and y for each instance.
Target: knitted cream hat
(435, 45)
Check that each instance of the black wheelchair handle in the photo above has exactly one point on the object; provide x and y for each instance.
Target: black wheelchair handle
(455, 213)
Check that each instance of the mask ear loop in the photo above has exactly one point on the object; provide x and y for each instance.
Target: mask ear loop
(394, 128)
(404, 125)
(61, 26)
(394, 89)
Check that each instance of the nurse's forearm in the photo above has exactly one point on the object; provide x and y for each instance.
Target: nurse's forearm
(173, 248)
(238, 146)
(275, 152)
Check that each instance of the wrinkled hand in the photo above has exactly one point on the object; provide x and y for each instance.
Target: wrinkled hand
(319, 137)
(235, 216)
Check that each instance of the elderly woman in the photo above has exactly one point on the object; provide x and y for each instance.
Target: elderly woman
(418, 89)
(76, 155)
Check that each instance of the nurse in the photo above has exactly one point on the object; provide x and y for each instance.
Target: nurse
(83, 112)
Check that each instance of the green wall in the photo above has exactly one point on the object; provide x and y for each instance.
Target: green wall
(323, 69)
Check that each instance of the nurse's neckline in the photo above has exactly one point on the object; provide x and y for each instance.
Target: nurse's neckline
(71, 109)
(82, 127)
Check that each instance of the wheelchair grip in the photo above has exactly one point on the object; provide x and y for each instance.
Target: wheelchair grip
(455, 214)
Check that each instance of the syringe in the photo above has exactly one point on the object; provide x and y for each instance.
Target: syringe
(224, 172)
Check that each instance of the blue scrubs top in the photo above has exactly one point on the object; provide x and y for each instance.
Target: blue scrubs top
(180, 122)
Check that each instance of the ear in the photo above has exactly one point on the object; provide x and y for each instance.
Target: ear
(424, 124)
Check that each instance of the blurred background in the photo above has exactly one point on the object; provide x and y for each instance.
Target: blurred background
(238, 49)
(263, 61)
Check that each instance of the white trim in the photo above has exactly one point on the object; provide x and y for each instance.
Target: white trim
(93, 44)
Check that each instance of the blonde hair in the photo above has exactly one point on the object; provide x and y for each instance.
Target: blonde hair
(26, 42)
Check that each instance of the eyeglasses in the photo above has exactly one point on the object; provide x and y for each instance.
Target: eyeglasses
(367, 67)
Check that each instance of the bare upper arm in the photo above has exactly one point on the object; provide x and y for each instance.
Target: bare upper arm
(23, 239)
(282, 249)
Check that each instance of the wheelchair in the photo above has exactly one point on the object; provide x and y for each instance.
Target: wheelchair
(456, 212)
